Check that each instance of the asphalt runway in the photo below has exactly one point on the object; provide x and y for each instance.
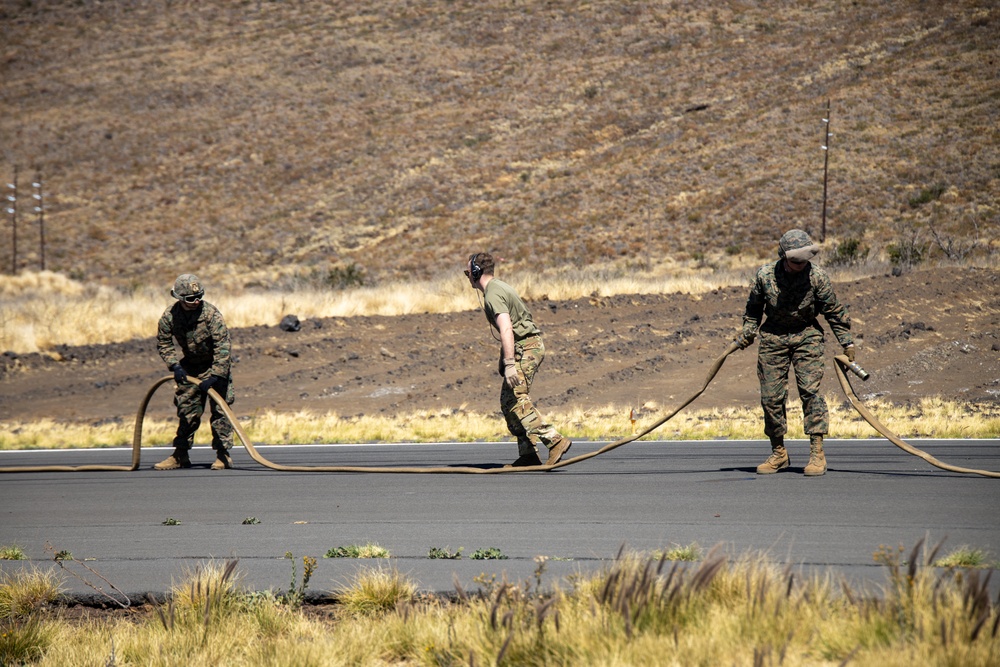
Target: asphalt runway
(649, 495)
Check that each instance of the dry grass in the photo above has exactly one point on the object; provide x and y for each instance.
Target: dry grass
(932, 417)
(40, 311)
(637, 611)
(270, 143)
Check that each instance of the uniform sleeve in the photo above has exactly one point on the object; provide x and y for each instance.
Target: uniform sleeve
(494, 303)
(165, 339)
(754, 311)
(222, 345)
(835, 312)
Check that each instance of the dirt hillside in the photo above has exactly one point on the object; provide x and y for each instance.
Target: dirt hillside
(924, 333)
(266, 143)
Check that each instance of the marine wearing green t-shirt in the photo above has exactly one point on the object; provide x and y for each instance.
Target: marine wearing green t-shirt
(521, 353)
(499, 297)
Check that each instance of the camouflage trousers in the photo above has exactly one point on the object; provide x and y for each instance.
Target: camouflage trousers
(190, 403)
(523, 420)
(803, 351)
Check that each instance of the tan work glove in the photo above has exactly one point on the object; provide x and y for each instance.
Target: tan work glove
(849, 352)
(510, 375)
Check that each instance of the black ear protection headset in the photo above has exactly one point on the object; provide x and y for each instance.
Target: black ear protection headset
(475, 270)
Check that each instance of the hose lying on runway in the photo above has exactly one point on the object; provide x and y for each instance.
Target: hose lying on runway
(259, 458)
(845, 385)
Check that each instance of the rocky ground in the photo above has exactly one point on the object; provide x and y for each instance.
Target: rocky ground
(933, 332)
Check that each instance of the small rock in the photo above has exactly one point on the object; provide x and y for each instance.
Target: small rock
(290, 323)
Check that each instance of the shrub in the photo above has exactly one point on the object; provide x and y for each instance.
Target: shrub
(848, 253)
(928, 195)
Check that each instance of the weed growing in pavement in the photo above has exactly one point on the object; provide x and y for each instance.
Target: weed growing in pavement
(251, 521)
(170, 521)
(689, 553)
(12, 552)
(491, 553)
(966, 557)
(369, 550)
(436, 552)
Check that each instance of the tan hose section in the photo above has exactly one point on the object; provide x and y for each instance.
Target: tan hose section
(259, 458)
(845, 384)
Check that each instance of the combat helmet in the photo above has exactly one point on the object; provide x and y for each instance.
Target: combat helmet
(186, 285)
(796, 245)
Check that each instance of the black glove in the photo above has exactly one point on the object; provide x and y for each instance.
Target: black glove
(180, 375)
(207, 383)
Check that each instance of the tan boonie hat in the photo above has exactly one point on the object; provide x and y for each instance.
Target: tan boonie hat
(187, 284)
(797, 246)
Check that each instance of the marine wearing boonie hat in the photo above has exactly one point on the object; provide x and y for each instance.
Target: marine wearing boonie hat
(795, 245)
(187, 284)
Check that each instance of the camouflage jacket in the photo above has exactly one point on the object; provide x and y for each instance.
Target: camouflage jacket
(790, 302)
(202, 336)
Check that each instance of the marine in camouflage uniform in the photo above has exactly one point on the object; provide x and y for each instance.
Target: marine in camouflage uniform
(203, 338)
(521, 353)
(789, 295)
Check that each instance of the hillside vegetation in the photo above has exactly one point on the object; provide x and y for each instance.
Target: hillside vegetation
(337, 143)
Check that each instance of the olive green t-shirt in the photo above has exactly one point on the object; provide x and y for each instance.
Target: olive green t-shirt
(499, 297)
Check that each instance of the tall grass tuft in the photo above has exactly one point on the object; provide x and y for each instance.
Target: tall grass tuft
(376, 591)
(206, 597)
(24, 592)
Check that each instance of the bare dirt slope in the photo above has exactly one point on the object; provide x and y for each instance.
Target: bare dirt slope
(268, 142)
(925, 333)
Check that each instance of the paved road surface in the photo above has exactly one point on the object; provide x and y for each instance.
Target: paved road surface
(647, 495)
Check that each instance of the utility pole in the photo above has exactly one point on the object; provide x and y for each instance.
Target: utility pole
(40, 210)
(12, 209)
(826, 162)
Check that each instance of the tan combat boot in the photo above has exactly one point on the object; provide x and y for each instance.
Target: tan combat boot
(179, 459)
(556, 453)
(778, 460)
(817, 459)
(222, 460)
